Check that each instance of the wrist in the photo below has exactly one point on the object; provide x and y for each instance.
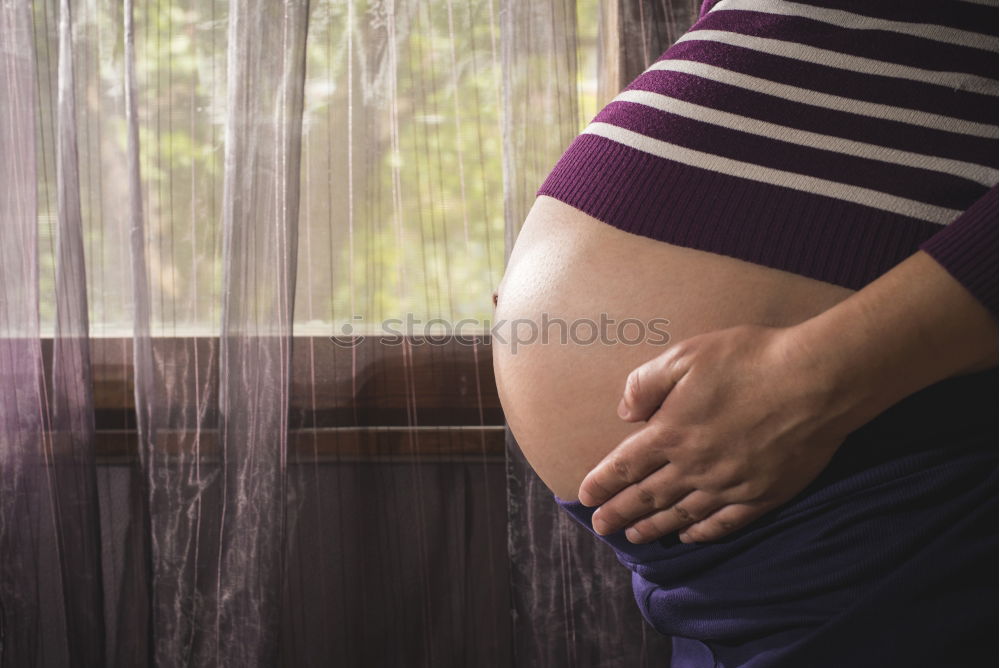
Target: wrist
(910, 328)
(844, 378)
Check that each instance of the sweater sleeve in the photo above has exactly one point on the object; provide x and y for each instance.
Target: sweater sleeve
(967, 248)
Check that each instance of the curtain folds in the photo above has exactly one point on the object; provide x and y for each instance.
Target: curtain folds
(215, 483)
(74, 481)
(47, 466)
(260, 240)
(194, 195)
(24, 434)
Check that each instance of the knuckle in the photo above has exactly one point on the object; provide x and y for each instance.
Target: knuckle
(683, 513)
(698, 475)
(646, 497)
(666, 435)
(678, 354)
(730, 477)
(619, 466)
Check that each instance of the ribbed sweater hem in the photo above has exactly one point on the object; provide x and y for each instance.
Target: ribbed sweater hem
(967, 248)
(820, 237)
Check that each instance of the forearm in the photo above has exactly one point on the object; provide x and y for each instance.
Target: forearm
(912, 327)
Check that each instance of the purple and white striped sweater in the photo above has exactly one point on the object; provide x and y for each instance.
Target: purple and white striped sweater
(829, 138)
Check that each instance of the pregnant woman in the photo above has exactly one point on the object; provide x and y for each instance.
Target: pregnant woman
(804, 472)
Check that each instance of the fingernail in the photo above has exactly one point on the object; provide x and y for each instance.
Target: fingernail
(633, 534)
(685, 538)
(600, 526)
(622, 409)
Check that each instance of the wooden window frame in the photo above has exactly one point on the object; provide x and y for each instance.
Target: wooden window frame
(385, 398)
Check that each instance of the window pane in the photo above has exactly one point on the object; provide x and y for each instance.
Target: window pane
(402, 196)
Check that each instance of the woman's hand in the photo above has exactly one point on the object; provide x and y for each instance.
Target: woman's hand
(741, 420)
(738, 421)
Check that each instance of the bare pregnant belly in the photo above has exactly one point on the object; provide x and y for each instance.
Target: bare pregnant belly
(585, 303)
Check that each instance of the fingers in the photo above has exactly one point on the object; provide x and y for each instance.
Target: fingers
(657, 491)
(692, 508)
(648, 386)
(721, 523)
(636, 457)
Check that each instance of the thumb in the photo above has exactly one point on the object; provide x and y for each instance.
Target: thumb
(647, 387)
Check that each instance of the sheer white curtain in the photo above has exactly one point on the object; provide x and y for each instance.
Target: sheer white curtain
(212, 449)
(195, 197)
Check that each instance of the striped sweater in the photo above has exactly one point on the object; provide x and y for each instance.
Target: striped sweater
(829, 138)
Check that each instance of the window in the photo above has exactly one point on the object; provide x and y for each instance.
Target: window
(401, 211)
